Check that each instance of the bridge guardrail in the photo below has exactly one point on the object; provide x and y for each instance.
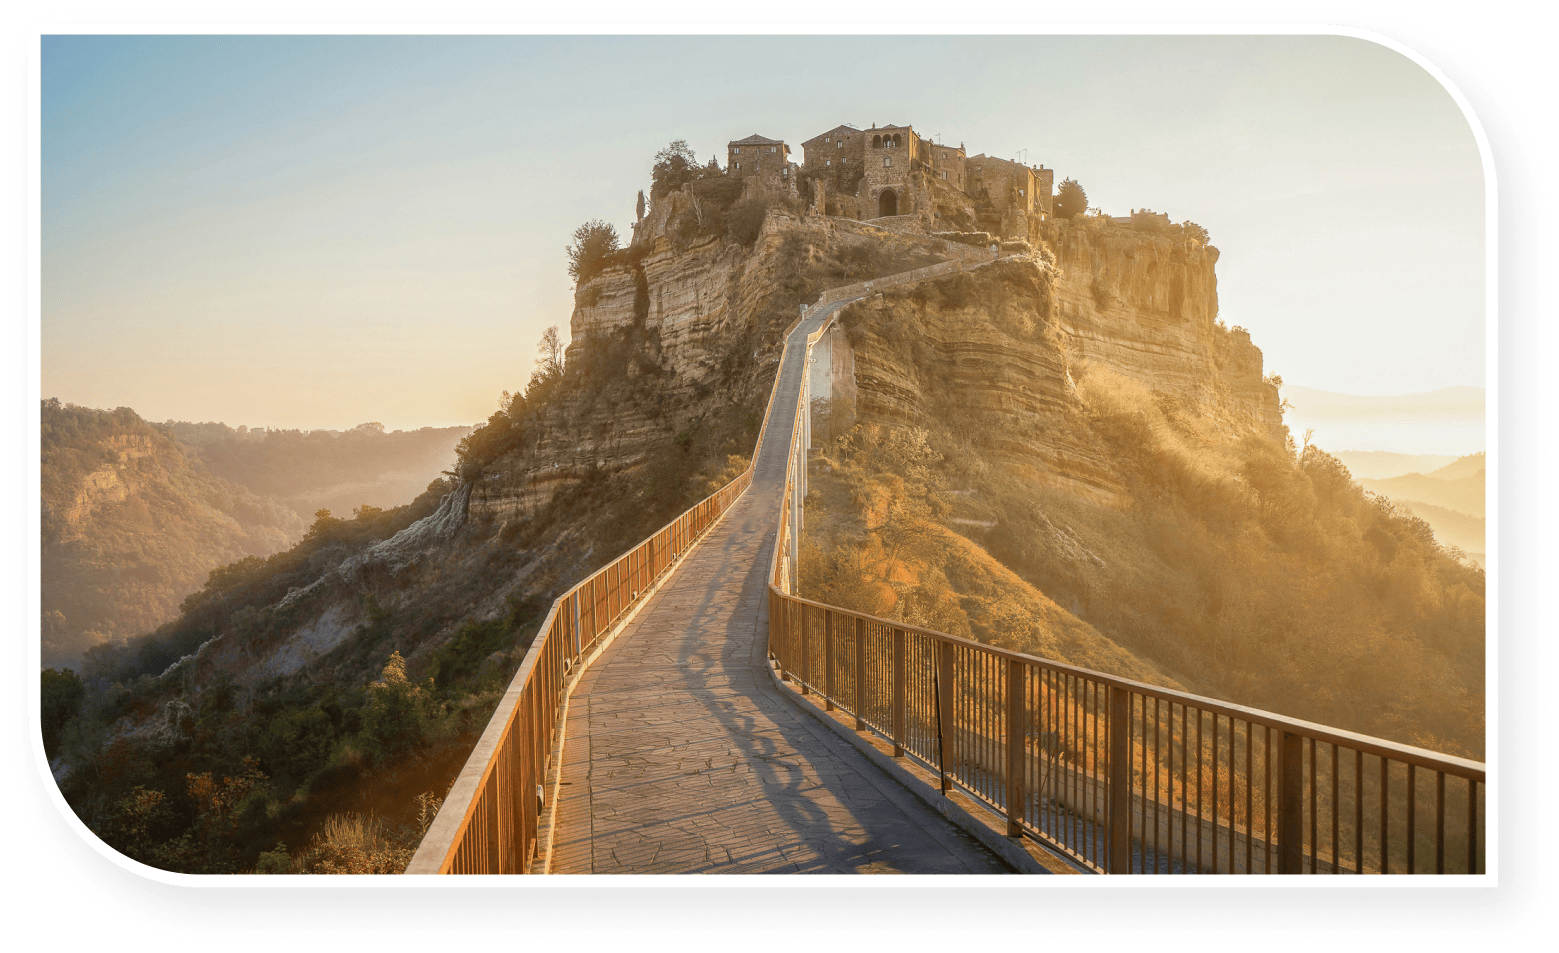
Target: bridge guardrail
(1122, 776)
(488, 823)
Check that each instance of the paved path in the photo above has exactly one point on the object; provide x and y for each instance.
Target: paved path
(681, 756)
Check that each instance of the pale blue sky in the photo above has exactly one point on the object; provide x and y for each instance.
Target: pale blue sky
(317, 231)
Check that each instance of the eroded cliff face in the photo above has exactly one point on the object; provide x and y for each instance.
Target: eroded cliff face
(999, 351)
(1145, 304)
(680, 335)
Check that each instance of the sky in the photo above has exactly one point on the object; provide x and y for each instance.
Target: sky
(314, 232)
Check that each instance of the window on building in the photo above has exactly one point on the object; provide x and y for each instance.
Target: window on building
(845, 161)
(825, 140)
(886, 162)
(839, 144)
(773, 148)
(737, 151)
(738, 165)
(828, 162)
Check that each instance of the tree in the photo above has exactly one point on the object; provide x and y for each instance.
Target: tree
(593, 242)
(674, 167)
(550, 347)
(1071, 200)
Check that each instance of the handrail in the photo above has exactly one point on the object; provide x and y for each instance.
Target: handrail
(1088, 761)
(488, 822)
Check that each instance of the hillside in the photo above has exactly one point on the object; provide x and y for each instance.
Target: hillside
(133, 523)
(1451, 499)
(1087, 426)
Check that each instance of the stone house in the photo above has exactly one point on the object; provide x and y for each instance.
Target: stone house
(757, 155)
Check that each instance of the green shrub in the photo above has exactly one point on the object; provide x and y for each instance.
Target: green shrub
(397, 714)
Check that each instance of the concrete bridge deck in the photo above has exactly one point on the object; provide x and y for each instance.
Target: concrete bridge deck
(682, 756)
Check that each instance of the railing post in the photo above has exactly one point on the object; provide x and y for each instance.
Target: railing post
(828, 661)
(945, 727)
(1118, 818)
(1291, 819)
(806, 648)
(898, 693)
(1017, 735)
(860, 674)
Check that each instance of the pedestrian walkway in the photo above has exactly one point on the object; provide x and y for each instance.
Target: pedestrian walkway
(682, 756)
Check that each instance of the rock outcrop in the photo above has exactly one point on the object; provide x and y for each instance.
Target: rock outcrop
(1004, 346)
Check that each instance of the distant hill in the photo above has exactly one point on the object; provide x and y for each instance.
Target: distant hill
(136, 515)
(132, 523)
(334, 470)
(1383, 464)
(1470, 465)
(1450, 498)
(1452, 528)
(1465, 495)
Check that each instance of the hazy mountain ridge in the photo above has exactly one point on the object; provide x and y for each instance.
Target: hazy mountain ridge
(132, 523)
(336, 470)
(1384, 464)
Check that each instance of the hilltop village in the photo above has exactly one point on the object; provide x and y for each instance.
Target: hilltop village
(894, 173)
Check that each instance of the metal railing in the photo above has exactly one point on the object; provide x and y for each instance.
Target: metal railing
(488, 823)
(1121, 776)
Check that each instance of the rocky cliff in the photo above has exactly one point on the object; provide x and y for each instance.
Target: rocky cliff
(1144, 302)
(1004, 347)
(1080, 417)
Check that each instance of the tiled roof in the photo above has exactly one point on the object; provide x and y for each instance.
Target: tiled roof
(756, 140)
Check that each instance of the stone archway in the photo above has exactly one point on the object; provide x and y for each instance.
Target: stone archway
(887, 203)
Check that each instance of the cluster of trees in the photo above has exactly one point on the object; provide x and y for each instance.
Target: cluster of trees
(236, 782)
(1071, 200)
(227, 787)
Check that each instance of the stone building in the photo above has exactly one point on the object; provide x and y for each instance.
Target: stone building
(888, 187)
(757, 155)
(838, 148)
(893, 171)
(1004, 184)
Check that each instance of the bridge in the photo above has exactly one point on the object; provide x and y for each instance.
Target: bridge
(683, 711)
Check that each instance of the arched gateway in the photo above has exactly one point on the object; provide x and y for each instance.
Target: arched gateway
(887, 203)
